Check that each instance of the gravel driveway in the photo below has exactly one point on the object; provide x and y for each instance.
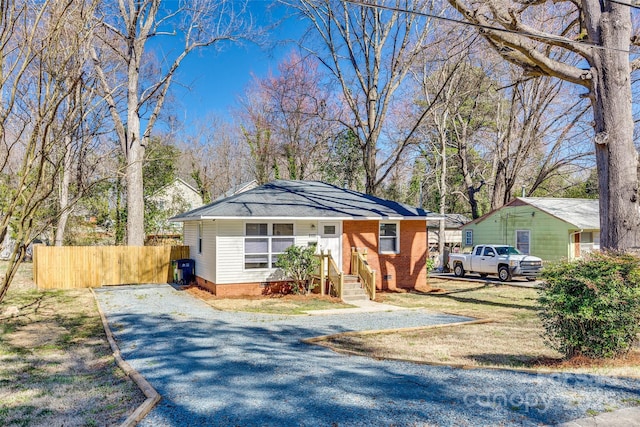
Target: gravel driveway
(239, 369)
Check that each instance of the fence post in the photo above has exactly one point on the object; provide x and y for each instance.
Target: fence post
(373, 285)
(322, 278)
(354, 261)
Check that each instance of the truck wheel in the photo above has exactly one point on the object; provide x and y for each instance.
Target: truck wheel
(458, 270)
(504, 274)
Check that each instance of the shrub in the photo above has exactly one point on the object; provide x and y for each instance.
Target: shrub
(591, 307)
(299, 264)
(431, 264)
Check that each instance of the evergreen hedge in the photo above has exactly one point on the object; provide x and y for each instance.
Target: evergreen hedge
(591, 307)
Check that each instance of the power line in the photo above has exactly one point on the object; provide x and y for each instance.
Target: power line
(491, 28)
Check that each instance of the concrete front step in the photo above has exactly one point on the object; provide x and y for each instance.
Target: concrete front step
(352, 298)
(353, 291)
(350, 279)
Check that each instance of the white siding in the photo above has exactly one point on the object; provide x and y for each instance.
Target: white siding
(190, 236)
(205, 261)
(231, 253)
(230, 249)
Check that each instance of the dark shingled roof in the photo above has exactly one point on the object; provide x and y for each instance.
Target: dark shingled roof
(303, 199)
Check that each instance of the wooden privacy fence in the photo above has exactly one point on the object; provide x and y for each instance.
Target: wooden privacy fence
(74, 267)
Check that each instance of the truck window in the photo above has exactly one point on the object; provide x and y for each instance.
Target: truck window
(479, 250)
(507, 250)
(489, 251)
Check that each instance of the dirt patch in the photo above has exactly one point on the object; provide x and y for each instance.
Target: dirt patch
(275, 304)
(36, 334)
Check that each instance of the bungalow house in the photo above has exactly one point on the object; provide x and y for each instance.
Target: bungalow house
(235, 241)
(452, 236)
(170, 200)
(550, 228)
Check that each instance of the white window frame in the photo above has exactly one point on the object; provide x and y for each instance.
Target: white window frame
(468, 237)
(271, 255)
(528, 242)
(589, 246)
(200, 233)
(396, 237)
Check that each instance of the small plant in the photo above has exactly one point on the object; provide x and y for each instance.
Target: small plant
(591, 307)
(299, 264)
(431, 264)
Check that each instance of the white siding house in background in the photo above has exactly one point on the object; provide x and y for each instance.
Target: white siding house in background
(452, 237)
(171, 200)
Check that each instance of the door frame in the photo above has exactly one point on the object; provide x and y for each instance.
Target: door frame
(337, 235)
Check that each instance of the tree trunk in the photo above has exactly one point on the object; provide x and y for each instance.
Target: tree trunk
(498, 197)
(468, 180)
(443, 200)
(370, 149)
(135, 159)
(64, 195)
(616, 155)
(370, 167)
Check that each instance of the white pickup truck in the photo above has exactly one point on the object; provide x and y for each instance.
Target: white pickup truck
(505, 261)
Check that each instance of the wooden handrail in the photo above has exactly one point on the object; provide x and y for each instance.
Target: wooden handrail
(333, 274)
(360, 267)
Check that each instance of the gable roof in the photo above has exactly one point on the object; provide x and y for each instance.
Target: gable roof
(583, 214)
(302, 199)
(177, 181)
(451, 221)
(240, 188)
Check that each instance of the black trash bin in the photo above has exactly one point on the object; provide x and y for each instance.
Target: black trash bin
(188, 268)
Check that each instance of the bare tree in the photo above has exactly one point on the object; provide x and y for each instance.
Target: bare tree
(256, 131)
(37, 77)
(369, 52)
(299, 117)
(460, 115)
(215, 158)
(539, 37)
(126, 34)
(538, 135)
(82, 113)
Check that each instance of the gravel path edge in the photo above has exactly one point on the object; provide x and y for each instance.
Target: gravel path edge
(153, 397)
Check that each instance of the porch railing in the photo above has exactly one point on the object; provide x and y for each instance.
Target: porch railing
(328, 272)
(360, 267)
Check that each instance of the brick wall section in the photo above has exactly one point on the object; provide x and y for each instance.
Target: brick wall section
(407, 269)
(243, 289)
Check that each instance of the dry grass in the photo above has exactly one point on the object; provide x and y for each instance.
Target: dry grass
(274, 304)
(513, 340)
(56, 366)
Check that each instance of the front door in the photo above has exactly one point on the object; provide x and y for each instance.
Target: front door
(330, 233)
(488, 261)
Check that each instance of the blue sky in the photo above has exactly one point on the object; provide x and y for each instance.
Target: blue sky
(217, 79)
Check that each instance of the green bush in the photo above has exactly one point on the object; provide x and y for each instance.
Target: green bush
(299, 264)
(591, 307)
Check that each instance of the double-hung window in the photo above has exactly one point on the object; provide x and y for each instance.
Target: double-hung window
(523, 241)
(264, 242)
(389, 237)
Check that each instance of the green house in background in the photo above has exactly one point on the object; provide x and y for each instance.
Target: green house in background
(549, 228)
